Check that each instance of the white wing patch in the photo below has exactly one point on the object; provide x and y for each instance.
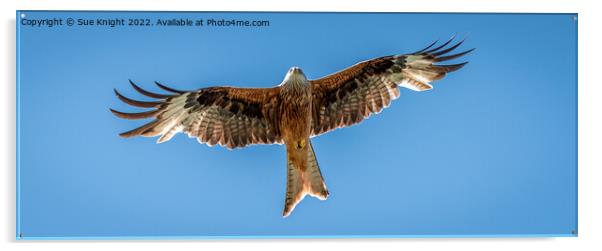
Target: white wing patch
(173, 117)
(415, 85)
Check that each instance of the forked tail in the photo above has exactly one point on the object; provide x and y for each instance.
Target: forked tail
(303, 177)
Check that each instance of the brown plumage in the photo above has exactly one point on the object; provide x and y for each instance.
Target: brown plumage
(291, 112)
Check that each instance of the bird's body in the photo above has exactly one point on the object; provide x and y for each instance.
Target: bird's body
(295, 92)
(304, 176)
(290, 113)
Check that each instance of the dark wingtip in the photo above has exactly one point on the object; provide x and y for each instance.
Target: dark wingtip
(450, 57)
(439, 53)
(169, 89)
(453, 67)
(441, 46)
(148, 93)
(117, 113)
(137, 103)
(126, 135)
(113, 111)
(138, 115)
(431, 45)
(117, 92)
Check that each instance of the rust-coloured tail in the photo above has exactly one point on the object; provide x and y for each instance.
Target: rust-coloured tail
(303, 177)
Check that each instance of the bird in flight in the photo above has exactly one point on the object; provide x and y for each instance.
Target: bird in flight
(292, 112)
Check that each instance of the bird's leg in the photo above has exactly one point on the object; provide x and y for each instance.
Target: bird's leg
(300, 144)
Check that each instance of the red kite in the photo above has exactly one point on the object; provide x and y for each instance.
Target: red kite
(292, 112)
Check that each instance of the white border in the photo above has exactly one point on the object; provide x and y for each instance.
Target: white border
(590, 96)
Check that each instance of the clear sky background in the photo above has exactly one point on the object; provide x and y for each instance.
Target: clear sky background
(491, 150)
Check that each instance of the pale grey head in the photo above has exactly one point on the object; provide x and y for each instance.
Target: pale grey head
(295, 77)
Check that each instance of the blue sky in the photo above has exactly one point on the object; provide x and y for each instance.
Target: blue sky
(491, 150)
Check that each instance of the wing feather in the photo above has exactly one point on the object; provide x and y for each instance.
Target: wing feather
(228, 116)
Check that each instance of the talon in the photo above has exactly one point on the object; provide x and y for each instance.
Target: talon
(301, 144)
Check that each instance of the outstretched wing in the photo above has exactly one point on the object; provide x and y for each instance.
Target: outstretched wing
(353, 94)
(231, 117)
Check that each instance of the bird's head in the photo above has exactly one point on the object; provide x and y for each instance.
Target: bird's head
(295, 76)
